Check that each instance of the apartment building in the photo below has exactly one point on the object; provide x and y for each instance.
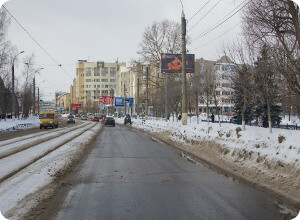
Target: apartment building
(94, 79)
(222, 73)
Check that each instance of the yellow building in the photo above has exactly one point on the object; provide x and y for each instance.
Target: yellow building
(94, 79)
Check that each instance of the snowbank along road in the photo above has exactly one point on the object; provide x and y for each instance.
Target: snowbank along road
(31, 162)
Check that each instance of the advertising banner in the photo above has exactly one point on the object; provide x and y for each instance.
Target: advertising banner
(60, 108)
(119, 101)
(105, 100)
(172, 63)
(75, 106)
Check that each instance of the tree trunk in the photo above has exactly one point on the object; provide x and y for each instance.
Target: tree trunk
(269, 117)
(243, 121)
(207, 113)
(197, 108)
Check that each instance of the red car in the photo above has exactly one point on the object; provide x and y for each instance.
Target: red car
(95, 118)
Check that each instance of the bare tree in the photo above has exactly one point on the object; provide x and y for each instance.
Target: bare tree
(276, 24)
(207, 82)
(160, 37)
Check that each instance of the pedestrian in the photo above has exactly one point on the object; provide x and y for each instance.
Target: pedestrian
(260, 121)
(212, 118)
(179, 117)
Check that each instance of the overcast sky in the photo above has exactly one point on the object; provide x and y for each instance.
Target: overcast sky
(95, 30)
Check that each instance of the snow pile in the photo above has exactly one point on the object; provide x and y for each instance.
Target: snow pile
(270, 161)
(19, 124)
(256, 139)
(14, 191)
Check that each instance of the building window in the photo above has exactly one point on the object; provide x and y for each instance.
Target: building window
(113, 70)
(113, 74)
(217, 67)
(104, 69)
(112, 80)
(104, 80)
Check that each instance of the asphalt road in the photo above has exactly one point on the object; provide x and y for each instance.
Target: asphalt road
(128, 175)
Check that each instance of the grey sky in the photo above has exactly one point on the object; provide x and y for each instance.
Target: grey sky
(104, 30)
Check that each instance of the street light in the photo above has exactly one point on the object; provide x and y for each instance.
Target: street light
(39, 97)
(33, 94)
(13, 86)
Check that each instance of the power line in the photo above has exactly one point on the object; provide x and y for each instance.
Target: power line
(181, 5)
(60, 65)
(205, 15)
(216, 37)
(217, 25)
(199, 10)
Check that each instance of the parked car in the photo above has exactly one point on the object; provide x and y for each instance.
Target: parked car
(95, 118)
(48, 119)
(70, 119)
(83, 117)
(127, 119)
(109, 121)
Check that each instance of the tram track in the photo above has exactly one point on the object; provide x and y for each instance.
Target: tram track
(18, 155)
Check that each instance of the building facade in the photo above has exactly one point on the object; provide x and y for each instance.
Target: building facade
(94, 79)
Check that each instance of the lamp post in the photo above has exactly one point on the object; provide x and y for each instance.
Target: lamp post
(13, 86)
(33, 94)
(39, 97)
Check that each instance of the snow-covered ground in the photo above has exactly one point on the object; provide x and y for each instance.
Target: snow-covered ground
(19, 124)
(256, 139)
(269, 161)
(35, 166)
(252, 149)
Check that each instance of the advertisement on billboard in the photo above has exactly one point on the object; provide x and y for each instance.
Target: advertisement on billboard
(172, 63)
(60, 108)
(105, 100)
(75, 106)
(119, 102)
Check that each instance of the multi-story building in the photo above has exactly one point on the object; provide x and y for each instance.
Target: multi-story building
(94, 79)
(221, 73)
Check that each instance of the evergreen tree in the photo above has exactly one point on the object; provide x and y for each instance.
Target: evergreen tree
(266, 83)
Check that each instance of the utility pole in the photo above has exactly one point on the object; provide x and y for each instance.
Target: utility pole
(147, 80)
(112, 99)
(124, 101)
(13, 92)
(33, 96)
(184, 89)
(138, 97)
(38, 101)
(13, 86)
(70, 104)
(166, 97)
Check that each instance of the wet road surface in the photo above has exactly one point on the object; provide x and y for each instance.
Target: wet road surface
(128, 175)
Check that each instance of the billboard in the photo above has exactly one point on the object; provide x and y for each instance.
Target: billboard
(172, 63)
(119, 102)
(105, 100)
(60, 108)
(75, 106)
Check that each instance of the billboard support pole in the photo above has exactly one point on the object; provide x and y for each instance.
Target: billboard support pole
(147, 78)
(138, 97)
(184, 89)
(166, 97)
(124, 101)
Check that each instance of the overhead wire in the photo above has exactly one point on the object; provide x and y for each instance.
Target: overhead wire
(216, 37)
(199, 10)
(219, 24)
(60, 65)
(204, 15)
